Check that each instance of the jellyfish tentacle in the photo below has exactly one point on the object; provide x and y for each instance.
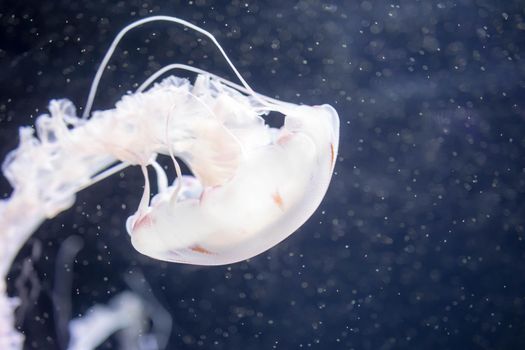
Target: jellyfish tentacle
(269, 102)
(144, 201)
(140, 22)
(171, 152)
(162, 179)
(104, 174)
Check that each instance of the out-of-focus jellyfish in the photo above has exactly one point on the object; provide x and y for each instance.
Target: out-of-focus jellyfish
(252, 185)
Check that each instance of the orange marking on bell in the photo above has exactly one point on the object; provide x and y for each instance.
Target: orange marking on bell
(199, 249)
(332, 154)
(284, 138)
(277, 199)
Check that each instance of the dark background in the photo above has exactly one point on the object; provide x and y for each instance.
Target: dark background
(419, 243)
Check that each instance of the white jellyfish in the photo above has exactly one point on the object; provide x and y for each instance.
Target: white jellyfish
(251, 185)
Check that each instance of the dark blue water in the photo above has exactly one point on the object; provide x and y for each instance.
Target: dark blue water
(419, 243)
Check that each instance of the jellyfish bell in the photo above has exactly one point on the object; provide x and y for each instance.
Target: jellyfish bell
(246, 195)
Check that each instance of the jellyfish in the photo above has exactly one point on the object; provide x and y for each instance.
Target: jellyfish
(250, 187)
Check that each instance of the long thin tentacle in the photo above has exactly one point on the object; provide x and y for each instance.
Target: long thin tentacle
(120, 35)
(144, 201)
(162, 179)
(266, 99)
(178, 171)
(106, 173)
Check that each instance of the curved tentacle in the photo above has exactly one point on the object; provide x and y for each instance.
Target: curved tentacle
(120, 35)
(162, 179)
(268, 100)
